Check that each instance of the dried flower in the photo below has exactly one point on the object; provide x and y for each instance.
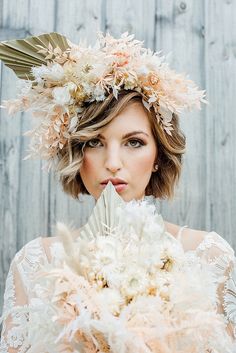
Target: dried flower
(83, 74)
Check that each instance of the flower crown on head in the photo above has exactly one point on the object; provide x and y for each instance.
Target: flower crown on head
(59, 79)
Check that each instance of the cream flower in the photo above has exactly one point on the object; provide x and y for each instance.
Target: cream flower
(84, 74)
(61, 95)
(135, 282)
(99, 94)
(114, 300)
(54, 72)
(110, 294)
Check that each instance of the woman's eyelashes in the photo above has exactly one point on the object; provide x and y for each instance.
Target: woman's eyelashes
(92, 143)
(133, 143)
(137, 143)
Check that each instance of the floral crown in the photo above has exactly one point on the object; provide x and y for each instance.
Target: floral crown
(59, 79)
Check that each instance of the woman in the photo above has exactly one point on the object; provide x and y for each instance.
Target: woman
(146, 161)
(117, 138)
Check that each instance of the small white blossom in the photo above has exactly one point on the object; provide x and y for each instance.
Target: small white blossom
(113, 299)
(61, 95)
(99, 93)
(54, 72)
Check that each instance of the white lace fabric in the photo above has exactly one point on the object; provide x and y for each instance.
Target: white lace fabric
(18, 292)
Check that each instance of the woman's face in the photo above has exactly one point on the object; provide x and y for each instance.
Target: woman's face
(124, 149)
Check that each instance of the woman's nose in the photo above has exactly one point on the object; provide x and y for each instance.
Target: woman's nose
(113, 161)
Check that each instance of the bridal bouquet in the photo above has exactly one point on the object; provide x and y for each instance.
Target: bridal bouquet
(123, 284)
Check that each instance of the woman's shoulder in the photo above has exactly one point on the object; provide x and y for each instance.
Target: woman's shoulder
(189, 237)
(27, 261)
(193, 239)
(35, 251)
(29, 250)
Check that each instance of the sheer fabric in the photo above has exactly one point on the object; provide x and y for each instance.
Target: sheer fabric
(18, 292)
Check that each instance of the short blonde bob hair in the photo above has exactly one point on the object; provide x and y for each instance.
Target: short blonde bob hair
(97, 115)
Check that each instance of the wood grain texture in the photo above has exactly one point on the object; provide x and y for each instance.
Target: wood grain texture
(220, 78)
(201, 37)
(178, 31)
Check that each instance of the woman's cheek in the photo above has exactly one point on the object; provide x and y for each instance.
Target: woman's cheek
(88, 168)
(90, 161)
(144, 161)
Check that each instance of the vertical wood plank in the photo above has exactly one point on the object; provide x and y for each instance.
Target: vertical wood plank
(220, 29)
(135, 17)
(86, 18)
(10, 151)
(179, 31)
(34, 183)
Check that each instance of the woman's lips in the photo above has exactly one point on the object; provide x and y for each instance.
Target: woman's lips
(119, 187)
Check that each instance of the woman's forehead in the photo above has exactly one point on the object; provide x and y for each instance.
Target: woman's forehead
(133, 117)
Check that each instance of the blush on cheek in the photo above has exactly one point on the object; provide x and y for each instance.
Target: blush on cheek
(140, 171)
(87, 165)
(144, 164)
(90, 161)
(86, 170)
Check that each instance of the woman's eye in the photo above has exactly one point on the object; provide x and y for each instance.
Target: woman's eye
(136, 143)
(92, 143)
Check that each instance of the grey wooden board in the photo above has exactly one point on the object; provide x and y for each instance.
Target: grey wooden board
(201, 37)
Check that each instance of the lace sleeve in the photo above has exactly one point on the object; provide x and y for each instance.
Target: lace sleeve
(220, 254)
(16, 297)
(13, 337)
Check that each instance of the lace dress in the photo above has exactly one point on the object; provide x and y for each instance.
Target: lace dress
(18, 291)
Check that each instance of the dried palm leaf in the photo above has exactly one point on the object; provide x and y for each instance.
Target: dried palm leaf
(103, 217)
(21, 54)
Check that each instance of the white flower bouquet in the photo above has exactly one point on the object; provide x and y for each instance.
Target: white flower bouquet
(125, 285)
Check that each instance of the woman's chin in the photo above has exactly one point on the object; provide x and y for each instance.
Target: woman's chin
(130, 197)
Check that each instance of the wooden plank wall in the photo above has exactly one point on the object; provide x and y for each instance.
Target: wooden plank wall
(201, 36)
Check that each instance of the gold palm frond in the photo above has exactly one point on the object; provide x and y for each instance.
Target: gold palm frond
(21, 54)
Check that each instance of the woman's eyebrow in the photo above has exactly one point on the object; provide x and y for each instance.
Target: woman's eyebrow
(128, 135)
